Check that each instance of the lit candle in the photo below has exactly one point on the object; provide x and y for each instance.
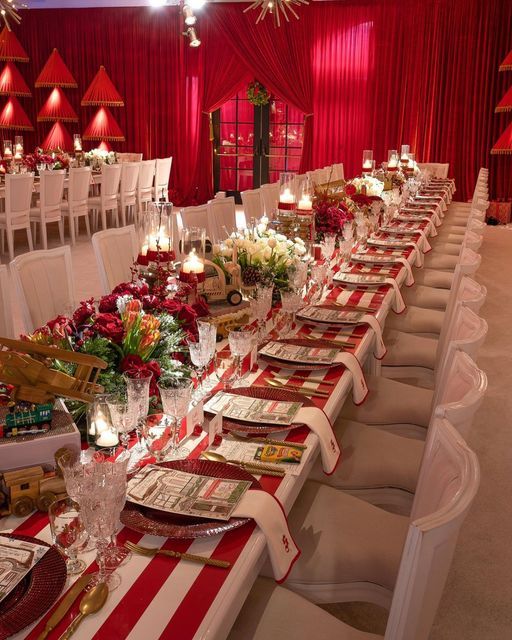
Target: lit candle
(98, 424)
(192, 264)
(367, 164)
(108, 438)
(392, 164)
(78, 144)
(287, 197)
(144, 249)
(7, 150)
(19, 151)
(305, 203)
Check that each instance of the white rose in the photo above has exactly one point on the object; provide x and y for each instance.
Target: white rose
(280, 237)
(299, 251)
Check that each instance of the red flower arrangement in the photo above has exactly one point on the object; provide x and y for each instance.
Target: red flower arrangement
(330, 214)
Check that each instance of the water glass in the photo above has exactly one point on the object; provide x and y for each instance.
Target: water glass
(240, 345)
(176, 403)
(200, 356)
(68, 533)
(123, 415)
(317, 282)
(261, 305)
(291, 303)
(137, 390)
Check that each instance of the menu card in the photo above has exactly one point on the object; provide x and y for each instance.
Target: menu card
(295, 353)
(382, 242)
(331, 316)
(372, 258)
(17, 558)
(354, 278)
(185, 493)
(250, 409)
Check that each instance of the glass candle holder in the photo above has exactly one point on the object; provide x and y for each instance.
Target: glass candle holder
(193, 239)
(404, 154)
(8, 149)
(18, 147)
(286, 190)
(368, 164)
(393, 160)
(77, 142)
(101, 433)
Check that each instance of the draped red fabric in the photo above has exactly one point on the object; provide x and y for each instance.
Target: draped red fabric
(280, 58)
(375, 74)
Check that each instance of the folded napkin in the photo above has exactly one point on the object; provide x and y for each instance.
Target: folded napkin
(418, 257)
(359, 387)
(367, 259)
(422, 242)
(270, 518)
(320, 425)
(430, 223)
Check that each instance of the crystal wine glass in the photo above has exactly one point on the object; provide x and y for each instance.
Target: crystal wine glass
(176, 402)
(240, 345)
(200, 357)
(317, 282)
(68, 533)
(291, 303)
(137, 390)
(123, 416)
(261, 306)
(208, 338)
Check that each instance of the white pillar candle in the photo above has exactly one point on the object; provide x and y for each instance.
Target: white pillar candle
(367, 164)
(305, 203)
(192, 264)
(108, 438)
(287, 197)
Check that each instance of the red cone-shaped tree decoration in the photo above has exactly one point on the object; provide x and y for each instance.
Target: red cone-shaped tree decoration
(58, 138)
(102, 91)
(504, 144)
(12, 82)
(57, 107)
(103, 127)
(10, 47)
(506, 65)
(505, 103)
(55, 73)
(14, 117)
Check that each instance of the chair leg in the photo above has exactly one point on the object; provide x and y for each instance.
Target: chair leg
(10, 243)
(87, 225)
(123, 215)
(2, 240)
(61, 231)
(103, 219)
(44, 235)
(72, 228)
(29, 239)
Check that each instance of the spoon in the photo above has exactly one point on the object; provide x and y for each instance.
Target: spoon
(92, 602)
(248, 466)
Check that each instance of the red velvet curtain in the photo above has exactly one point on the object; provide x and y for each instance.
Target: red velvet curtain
(375, 73)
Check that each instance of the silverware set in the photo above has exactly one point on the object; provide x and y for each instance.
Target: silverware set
(152, 551)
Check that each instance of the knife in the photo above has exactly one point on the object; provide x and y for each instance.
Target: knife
(65, 605)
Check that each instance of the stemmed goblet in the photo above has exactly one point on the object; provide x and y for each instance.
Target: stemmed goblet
(68, 533)
(291, 303)
(176, 402)
(240, 345)
(123, 415)
(261, 305)
(137, 390)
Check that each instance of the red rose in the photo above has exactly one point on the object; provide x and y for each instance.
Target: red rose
(350, 189)
(109, 326)
(150, 303)
(108, 304)
(131, 289)
(186, 315)
(172, 307)
(134, 367)
(201, 308)
(84, 312)
(61, 326)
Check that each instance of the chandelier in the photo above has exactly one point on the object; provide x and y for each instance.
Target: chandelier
(9, 11)
(276, 8)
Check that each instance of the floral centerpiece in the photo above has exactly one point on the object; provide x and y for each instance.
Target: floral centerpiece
(257, 94)
(97, 157)
(365, 190)
(136, 330)
(262, 254)
(332, 211)
(32, 160)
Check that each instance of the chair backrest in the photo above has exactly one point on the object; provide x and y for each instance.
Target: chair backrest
(115, 251)
(461, 391)
(128, 157)
(18, 196)
(444, 169)
(51, 189)
(110, 179)
(44, 285)
(129, 178)
(221, 217)
(466, 329)
(162, 175)
(448, 482)
(270, 197)
(78, 187)
(194, 217)
(252, 204)
(6, 323)
(474, 294)
(146, 175)
(338, 171)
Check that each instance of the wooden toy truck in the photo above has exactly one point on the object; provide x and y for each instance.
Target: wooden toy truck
(24, 490)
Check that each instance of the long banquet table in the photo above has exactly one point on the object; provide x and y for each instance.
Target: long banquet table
(165, 598)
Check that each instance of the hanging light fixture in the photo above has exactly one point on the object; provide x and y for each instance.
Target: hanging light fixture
(192, 36)
(9, 11)
(189, 16)
(276, 8)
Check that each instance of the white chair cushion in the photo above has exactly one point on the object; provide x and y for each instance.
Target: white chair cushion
(441, 262)
(372, 458)
(94, 201)
(416, 320)
(426, 297)
(447, 247)
(271, 612)
(391, 402)
(433, 278)
(344, 540)
(409, 350)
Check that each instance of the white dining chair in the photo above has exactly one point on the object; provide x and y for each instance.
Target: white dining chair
(404, 409)
(270, 198)
(107, 200)
(221, 213)
(18, 198)
(145, 185)
(128, 190)
(116, 250)
(354, 551)
(162, 176)
(77, 205)
(382, 467)
(44, 285)
(48, 209)
(252, 204)
(338, 171)
(399, 563)
(6, 310)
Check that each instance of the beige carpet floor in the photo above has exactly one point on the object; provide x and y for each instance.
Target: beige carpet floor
(477, 601)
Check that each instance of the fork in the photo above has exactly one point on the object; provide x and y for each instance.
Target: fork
(151, 551)
(341, 343)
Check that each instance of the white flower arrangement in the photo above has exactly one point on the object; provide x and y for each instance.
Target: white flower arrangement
(97, 157)
(374, 187)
